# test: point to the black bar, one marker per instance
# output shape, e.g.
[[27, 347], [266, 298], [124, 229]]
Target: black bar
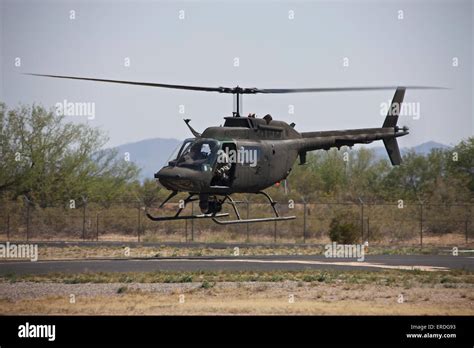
[[314, 330]]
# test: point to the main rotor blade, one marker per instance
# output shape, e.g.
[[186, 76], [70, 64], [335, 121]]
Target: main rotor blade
[[238, 90], [148, 84], [336, 89]]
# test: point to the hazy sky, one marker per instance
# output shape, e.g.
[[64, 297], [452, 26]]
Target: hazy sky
[[274, 51]]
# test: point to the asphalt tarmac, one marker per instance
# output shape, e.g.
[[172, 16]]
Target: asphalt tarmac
[[241, 263]]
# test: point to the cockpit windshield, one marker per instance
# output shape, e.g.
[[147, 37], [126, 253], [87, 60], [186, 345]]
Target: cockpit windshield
[[178, 150], [198, 154]]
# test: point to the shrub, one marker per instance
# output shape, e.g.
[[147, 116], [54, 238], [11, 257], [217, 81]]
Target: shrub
[[442, 226], [122, 290], [207, 285], [343, 229]]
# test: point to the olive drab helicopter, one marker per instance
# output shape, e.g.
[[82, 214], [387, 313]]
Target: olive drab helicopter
[[249, 154]]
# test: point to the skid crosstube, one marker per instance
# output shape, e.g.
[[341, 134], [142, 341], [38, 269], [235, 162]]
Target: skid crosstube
[[239, 220]]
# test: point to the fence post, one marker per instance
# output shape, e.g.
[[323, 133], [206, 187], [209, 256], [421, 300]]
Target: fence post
[[97, 227], [27, 219], [248, 227], [84, 221], [8, 227], [421, 225], [192, 222], [368, 229], [468, 219], [186, 230], [467, 231], [362, 221], [304, 222], [275, 232], [138, 221]]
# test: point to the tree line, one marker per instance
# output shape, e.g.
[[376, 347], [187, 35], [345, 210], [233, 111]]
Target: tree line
[[442, 176], [45, 159]]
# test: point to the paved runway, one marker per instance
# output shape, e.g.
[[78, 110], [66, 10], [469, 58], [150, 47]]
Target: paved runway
[[241, 263]]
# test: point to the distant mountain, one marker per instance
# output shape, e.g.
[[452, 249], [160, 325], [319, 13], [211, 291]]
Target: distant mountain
[[150, 154], [422, 149], [425, 148]]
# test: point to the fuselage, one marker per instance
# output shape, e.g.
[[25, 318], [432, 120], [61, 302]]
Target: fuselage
[[248, 155], [259, 154]]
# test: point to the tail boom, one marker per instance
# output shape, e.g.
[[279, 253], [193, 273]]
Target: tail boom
[[387, 133]]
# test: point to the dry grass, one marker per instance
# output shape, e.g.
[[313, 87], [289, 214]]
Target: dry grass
[[81, 252], [283, 236], [389, 278], [322, 292], [107, 251], [259, 299]]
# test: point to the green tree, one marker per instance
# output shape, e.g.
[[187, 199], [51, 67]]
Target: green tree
[[47, 159], [409, 180], [460, 162], [148, 192]]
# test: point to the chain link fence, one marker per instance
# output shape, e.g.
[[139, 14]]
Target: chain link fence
[[379, 223]]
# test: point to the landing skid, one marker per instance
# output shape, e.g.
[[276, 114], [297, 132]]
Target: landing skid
[[239, 220], [185, 217], [215, 216], [177, 216], [245, 221]]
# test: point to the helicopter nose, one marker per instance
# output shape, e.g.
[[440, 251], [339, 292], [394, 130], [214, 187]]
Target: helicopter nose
[[168, 173], [177, 179]]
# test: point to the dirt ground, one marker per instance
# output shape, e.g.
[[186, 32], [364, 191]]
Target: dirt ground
[[388, 292], [246, 298]]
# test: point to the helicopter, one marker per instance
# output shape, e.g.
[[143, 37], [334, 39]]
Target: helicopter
[[250, 154]]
